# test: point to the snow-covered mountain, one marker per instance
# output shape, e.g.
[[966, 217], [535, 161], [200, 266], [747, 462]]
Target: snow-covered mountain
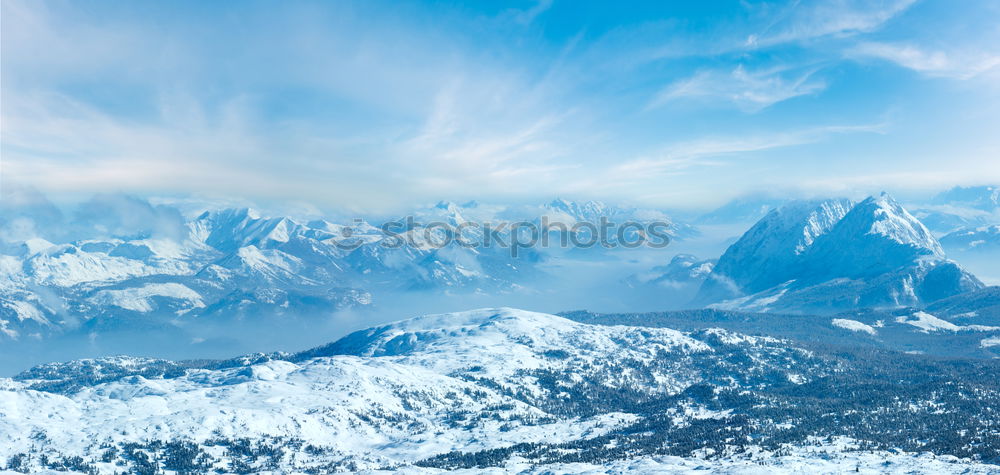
[[227, 259], [230, 264], [829, 256], [118, 262], [501, 388], [770, 251]]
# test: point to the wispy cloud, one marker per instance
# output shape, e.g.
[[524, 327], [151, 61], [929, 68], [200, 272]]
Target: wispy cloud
[[528, 15], [711, 151], [356, 103], [749, 91], [490, 131], [422, 114], [800, 21], [953, 64]]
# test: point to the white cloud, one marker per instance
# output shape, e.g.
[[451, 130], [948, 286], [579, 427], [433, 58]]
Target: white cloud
[[435, 118], [956, 65], [489, 133], [708, 152], [802, 21], [749, 91], [526, 16]]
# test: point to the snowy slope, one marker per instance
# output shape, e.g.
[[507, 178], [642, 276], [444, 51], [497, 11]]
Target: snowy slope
[[570, 212], [395, 407], [954, 329], [491, 383]]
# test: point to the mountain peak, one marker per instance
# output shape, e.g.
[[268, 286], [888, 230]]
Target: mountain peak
[[768, 253], [884, 216]]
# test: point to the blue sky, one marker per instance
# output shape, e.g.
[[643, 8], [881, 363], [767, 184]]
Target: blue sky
[[376, 105]]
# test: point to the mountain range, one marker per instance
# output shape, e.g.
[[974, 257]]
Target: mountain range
[[142, 266], [118, 262], [831, 336]]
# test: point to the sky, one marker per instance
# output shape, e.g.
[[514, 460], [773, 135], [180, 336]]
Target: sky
[[377, 105]]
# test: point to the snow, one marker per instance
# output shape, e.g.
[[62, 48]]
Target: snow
[[895, 223], [139, 299], [928, 323], [853, 325], [36, 245], [266, 260], [504, 340], [764, 255], [820, 460], [390, 395], [274, 398], [406, 370], [68, 266], [990, 342], [26, 311], [9, 265], [984, 238]]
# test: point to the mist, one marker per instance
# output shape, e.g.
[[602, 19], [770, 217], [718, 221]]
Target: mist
[[116, 274]]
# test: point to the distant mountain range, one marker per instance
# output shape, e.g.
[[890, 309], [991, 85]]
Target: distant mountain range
[[120, 262]]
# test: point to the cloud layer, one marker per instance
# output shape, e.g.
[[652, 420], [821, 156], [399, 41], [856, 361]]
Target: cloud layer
[[372, 106]]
